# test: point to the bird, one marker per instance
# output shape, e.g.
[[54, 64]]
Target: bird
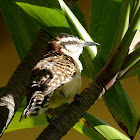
[[56, 77]]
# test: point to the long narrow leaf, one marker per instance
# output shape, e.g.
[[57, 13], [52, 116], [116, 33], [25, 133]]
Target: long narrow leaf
[[132, 59], [122, 23], [86, 129], [27, 123], [107, 131], [71, 20], [50, 18], [77, 29], [134, 70], [22, 28], [53, 27], [104, 19], [103, 22], [136, 5], [89, 125], [92, 127], [126, 41], [123, 110], [81, 126]]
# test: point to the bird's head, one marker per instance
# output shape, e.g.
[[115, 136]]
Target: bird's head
[[70, 45]]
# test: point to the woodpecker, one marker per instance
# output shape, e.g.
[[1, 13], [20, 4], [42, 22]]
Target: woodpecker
[[57, 77]]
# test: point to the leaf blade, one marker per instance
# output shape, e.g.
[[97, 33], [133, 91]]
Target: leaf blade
[[27, 123], [89, 53], [49, 17], [23, 33], [103, 30], [103, 128], [125, 114]]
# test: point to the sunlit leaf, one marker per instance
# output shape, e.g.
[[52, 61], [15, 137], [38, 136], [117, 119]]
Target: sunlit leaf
[[26, 123], [50, 18], [103, 128], [77, 29]]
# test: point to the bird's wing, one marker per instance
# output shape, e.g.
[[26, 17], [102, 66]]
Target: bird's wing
[[48, 75], [52, 72]]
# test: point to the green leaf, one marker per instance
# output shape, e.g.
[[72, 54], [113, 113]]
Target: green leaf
[[93, 127], [82, 125], [77, 29], [130, 63], [79, 15], [132, 58], [22, 28], [89, 127], [122, 109], [27, 29], [122, 23], [136, 5], [74, 24], [49, 17], [103, 128], [41, 121], [26, 123], [126, 41], [134, 70], [103, 23], [104, 19], [86, 129]]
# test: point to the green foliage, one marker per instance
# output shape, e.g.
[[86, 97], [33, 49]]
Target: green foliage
[[22, 28], [104, 129], [103, 23], [43, 14], [122, 109], [78, 30], [27, 123], [110, 20], [106, 29]]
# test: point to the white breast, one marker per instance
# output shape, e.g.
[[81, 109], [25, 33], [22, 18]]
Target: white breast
[[68, 90], [73, 86]]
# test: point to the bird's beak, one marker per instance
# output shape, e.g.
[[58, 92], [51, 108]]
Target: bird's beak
[[86, 43]]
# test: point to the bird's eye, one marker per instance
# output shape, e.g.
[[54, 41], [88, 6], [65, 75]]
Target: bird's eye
[[74, 42]]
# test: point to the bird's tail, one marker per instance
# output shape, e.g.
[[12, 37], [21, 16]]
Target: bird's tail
[[34, 107]]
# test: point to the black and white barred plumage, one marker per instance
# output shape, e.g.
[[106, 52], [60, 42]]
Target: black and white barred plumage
[[56, 77]]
